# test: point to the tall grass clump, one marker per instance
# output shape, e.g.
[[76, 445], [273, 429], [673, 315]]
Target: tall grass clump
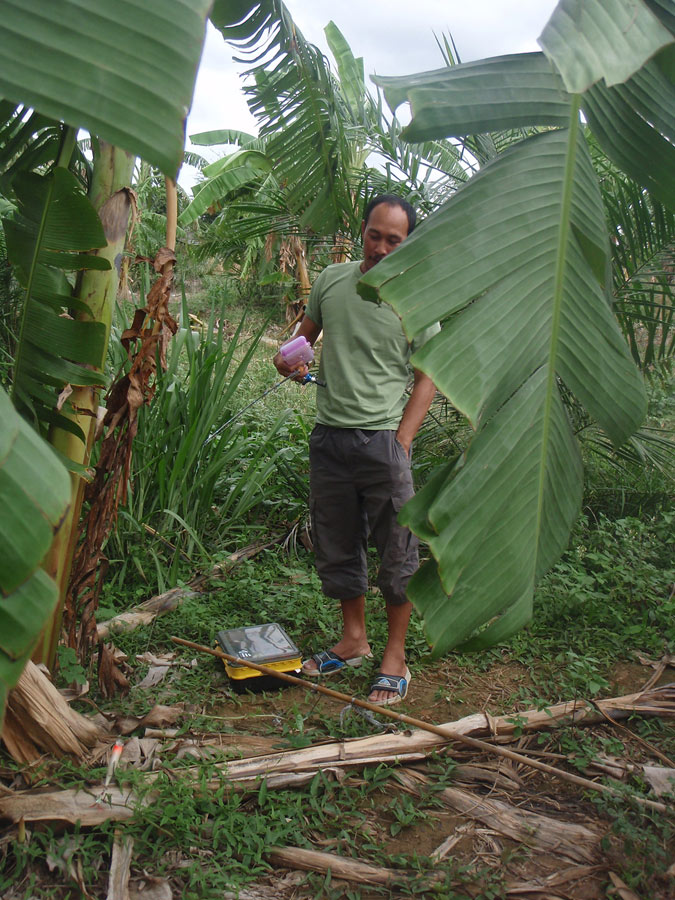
[[195, 473]]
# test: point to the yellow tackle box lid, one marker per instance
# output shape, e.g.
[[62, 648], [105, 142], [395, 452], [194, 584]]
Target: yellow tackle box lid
[[267, 645]]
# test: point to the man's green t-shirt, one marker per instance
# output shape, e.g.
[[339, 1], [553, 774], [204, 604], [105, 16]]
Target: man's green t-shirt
[[364, 355]]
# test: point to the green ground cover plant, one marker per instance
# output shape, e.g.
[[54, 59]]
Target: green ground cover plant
[[607, 600]]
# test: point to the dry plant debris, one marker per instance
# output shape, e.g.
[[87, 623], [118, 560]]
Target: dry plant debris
[[510, 813]]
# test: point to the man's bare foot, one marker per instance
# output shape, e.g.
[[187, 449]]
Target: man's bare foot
[[391, 665], [343, 648]]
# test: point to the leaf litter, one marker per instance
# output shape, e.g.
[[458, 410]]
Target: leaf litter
[[483, 826], [491, 811]]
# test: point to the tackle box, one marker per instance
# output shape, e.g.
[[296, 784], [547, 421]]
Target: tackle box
[[268, 645]]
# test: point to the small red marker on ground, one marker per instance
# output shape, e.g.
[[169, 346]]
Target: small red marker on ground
[[115, 754]]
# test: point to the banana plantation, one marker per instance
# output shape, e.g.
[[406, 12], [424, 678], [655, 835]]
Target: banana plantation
[[154, 465]]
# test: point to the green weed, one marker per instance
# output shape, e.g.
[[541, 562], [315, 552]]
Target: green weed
[[582, 746], [606, 600], [641, 842], [405, 812], [69, 669], [76, 857]]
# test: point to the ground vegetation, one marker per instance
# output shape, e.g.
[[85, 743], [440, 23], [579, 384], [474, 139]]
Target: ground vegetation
[[211, 512]]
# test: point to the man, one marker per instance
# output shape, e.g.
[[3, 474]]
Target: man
[[360, 449]]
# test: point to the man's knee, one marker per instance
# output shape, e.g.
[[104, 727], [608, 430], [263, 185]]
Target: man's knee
[[393, 586]]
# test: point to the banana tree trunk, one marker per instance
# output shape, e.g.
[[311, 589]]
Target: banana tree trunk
[[103, 495], [114, 201], [296, 310]]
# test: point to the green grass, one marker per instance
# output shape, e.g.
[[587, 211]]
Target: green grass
[[607, 600], [200, 472], [209, 840]]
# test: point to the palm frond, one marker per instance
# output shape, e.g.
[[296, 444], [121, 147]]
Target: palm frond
[[648, 448], [301, 117], [642, 240]]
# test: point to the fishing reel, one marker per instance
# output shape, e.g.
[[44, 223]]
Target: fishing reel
[[308, 378], [296, 353]]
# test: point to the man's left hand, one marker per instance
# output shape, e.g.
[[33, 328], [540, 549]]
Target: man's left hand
[[404, 443]]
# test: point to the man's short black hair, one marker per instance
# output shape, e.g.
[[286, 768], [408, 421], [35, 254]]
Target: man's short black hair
[[392, 200]]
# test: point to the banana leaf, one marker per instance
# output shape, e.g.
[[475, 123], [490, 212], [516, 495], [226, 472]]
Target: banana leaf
[[35, 488], [125, 74], [54, 227], [516, 265], [223, 136], [350, 71], [619, 54], [223, 177], [605, 40]]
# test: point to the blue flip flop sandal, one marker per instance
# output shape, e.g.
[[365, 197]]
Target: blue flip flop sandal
[[328, 663], [398, 685]]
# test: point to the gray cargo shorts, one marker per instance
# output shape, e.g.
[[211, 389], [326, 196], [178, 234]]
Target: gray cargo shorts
[[359, 480]]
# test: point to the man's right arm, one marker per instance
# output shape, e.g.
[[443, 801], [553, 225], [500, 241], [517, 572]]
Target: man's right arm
[[309, 330]]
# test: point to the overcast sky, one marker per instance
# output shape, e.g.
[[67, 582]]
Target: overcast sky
[[394, 37]]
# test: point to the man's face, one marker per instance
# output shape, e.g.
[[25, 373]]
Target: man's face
[[387, 227]]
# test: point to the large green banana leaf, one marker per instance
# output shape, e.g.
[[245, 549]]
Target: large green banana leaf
[[54, 227], [35, 491], [619, 55], [517, 266], [605, 40], [125, 72]]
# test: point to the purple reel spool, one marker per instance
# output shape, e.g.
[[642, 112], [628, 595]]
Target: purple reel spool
[[297, 351]]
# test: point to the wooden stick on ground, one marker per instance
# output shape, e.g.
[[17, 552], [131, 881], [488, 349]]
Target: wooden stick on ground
[[340, 866], [120, 867], [426, 726]]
